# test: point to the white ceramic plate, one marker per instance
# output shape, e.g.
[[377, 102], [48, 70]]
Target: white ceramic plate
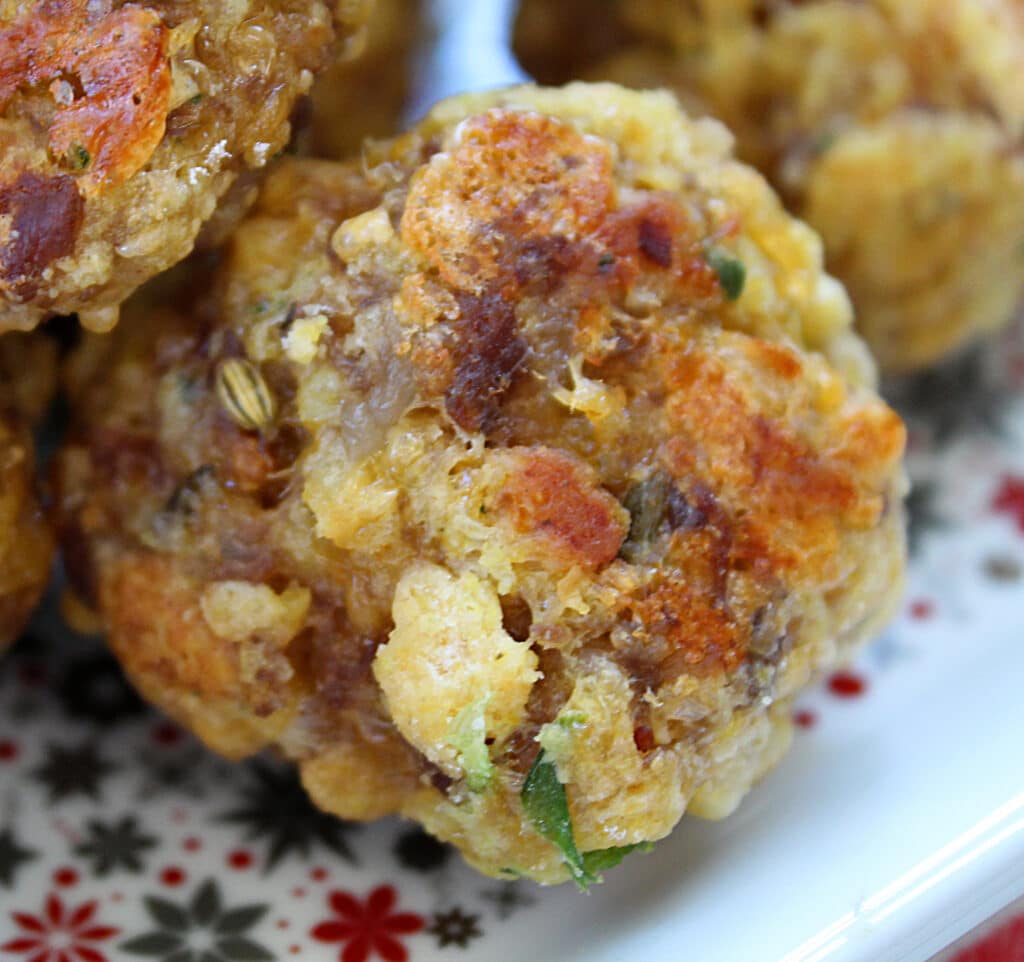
[[895, 824]]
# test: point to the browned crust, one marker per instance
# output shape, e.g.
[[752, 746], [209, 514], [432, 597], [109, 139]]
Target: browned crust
[[549, 496], [116, 79]]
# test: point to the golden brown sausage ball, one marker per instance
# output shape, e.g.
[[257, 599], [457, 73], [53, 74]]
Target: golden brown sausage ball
[[892, 126], [123, 124], [27, 384], [517, 473]]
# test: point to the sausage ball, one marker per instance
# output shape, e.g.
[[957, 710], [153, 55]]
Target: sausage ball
[[27, 384], [512, 478], [123, 124], [892, 126]]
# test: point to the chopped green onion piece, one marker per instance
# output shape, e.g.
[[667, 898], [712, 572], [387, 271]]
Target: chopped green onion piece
[[468, 736], [732, 274], [547, 808], [571, 719]]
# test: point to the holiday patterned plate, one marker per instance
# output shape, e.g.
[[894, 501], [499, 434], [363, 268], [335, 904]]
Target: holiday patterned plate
[[895, 824]]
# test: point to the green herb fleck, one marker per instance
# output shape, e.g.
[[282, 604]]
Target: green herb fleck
[[732, 274], [78, 157], [605, 858], [823, 142], [197, 99], [189, 388], [646, 504], [547, 808], [605, 261]]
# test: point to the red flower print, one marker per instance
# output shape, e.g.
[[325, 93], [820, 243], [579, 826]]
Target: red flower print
[[368, 927], [60, 934], [1005, 944], [1009, 499]]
